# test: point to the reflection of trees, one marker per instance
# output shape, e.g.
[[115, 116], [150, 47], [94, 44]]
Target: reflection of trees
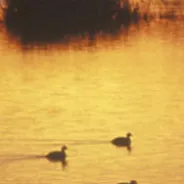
[[162, 6], [3, 4]]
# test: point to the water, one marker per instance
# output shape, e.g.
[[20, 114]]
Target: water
[[85, 91]]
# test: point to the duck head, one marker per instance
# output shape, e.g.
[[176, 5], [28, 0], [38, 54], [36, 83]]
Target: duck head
[[63, 148], [128, 134]]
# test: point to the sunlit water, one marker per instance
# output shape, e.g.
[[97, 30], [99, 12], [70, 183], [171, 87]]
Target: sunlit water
[[87, 91]]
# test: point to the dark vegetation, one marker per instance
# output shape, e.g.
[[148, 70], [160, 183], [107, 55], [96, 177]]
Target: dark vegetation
[[48, 20], [66, 12]]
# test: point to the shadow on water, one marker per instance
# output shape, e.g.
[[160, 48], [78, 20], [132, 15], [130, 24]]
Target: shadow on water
[[94, 142], [45, 22], [54, 156], [41, 22], [29, 35], [70, 142], [18, 158], [63, 161]]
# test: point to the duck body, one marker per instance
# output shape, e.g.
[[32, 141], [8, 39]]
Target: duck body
[[57, 155], [122, 141]]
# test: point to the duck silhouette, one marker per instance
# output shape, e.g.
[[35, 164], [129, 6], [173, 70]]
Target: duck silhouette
[[131, 182], [57, 155], [123, 141]]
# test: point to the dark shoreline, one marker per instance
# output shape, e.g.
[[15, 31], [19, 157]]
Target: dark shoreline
[[53, 21]]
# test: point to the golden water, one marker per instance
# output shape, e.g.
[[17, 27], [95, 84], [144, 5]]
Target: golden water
[[86, 92]]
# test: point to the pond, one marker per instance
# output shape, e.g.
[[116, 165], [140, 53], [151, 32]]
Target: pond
[[85, 90]]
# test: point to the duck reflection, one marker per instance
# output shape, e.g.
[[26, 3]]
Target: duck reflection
[[27, 34], [123, 141]]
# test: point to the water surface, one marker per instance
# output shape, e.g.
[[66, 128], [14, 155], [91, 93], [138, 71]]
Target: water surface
[[85, 91]]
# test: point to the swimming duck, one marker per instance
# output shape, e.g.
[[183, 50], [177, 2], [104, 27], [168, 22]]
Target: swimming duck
[[57, 155], [131, 182], [122, 141]]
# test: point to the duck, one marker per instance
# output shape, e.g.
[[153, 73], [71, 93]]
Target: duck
[[57, 155], [122, 141], [131, 182]]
